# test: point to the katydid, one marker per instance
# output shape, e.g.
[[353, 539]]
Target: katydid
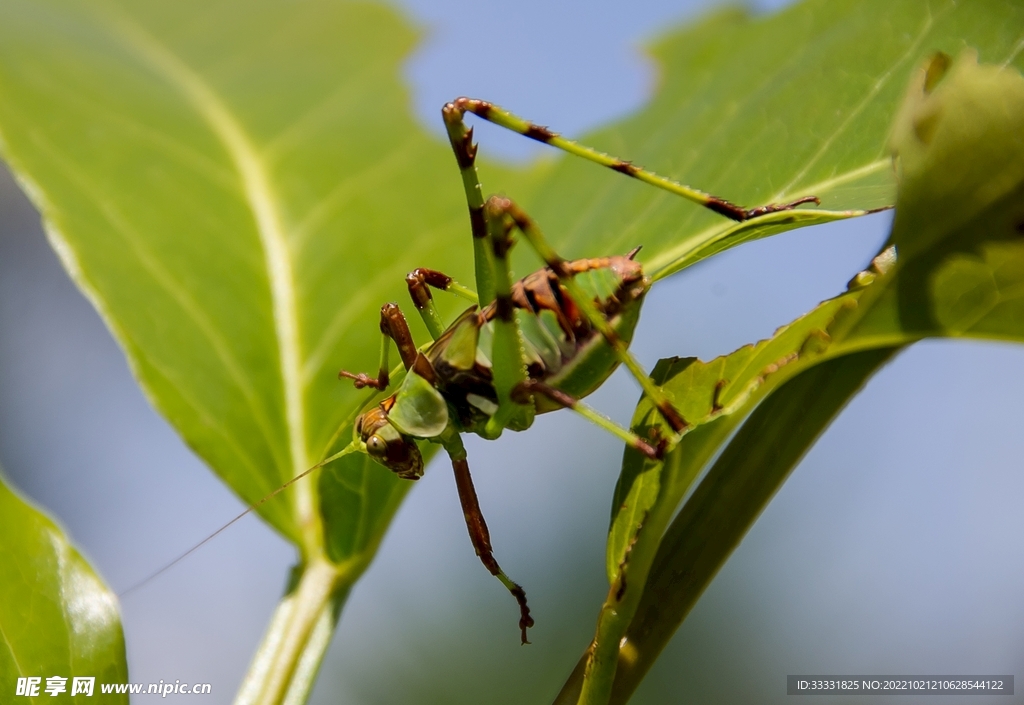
[[522, 348], [539, 344]]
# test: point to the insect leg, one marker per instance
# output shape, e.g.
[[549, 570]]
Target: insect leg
[[531, 386], [498, 116], [507, 363], [558, 265], [419, 282], [393, 327], [478, 533], [461, 138]]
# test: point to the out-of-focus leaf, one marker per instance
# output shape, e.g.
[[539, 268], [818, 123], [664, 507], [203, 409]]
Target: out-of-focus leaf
[[960, 149], [57, 618], [959, 229]]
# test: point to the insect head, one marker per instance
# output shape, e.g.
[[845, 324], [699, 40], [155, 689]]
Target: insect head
[[387, 445]]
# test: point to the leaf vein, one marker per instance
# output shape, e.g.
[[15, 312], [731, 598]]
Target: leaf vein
[[260, 198], [875, 89]]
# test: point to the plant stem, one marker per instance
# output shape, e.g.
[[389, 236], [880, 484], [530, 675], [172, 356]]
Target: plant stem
[[285, 666], [621, 604]]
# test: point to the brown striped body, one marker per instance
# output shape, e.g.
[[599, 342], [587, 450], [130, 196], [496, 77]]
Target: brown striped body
[[563, 351]]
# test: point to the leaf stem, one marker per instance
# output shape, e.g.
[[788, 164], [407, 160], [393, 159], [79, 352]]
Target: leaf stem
[[621, 604], [285, 666]]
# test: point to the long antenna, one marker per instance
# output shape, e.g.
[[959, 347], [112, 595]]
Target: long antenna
[[350, 448]]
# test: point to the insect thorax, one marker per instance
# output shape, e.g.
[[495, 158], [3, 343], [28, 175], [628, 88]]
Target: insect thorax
[[560, 346]]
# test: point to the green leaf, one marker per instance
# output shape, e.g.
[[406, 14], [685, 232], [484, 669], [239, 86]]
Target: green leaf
[[351, 484], [239, 176], [222, 181], [57, 618], [726, 503], [764, 109], [239, 186], [715, 397]]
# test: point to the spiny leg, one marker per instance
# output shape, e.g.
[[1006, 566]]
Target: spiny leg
[[461, 138], [507, 364], [503, 118], [532, 386], [559, 266], [478, 533], [393, 327], [419, 282]]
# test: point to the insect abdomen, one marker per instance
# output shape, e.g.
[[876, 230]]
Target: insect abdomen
[[593, 362], [560, 346]]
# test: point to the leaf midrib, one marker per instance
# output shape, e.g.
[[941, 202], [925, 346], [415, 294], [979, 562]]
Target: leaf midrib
[[260, 199]]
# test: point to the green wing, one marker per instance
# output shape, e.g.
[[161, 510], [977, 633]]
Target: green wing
[[419, 408]]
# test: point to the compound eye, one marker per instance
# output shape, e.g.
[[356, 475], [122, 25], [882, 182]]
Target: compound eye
[[376, 446]]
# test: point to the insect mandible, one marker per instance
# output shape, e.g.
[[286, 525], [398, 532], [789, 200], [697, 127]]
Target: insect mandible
[[522, 348]]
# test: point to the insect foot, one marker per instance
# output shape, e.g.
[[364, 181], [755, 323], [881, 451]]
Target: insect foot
[[362, 380], [465, 152], [478, 533], [779, 207]]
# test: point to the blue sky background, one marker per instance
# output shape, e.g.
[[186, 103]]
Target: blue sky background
[[894, 547]]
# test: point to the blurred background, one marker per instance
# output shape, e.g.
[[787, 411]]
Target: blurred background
[[893, 549]]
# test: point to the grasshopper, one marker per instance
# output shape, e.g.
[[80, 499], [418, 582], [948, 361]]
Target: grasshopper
[[522, 348]]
